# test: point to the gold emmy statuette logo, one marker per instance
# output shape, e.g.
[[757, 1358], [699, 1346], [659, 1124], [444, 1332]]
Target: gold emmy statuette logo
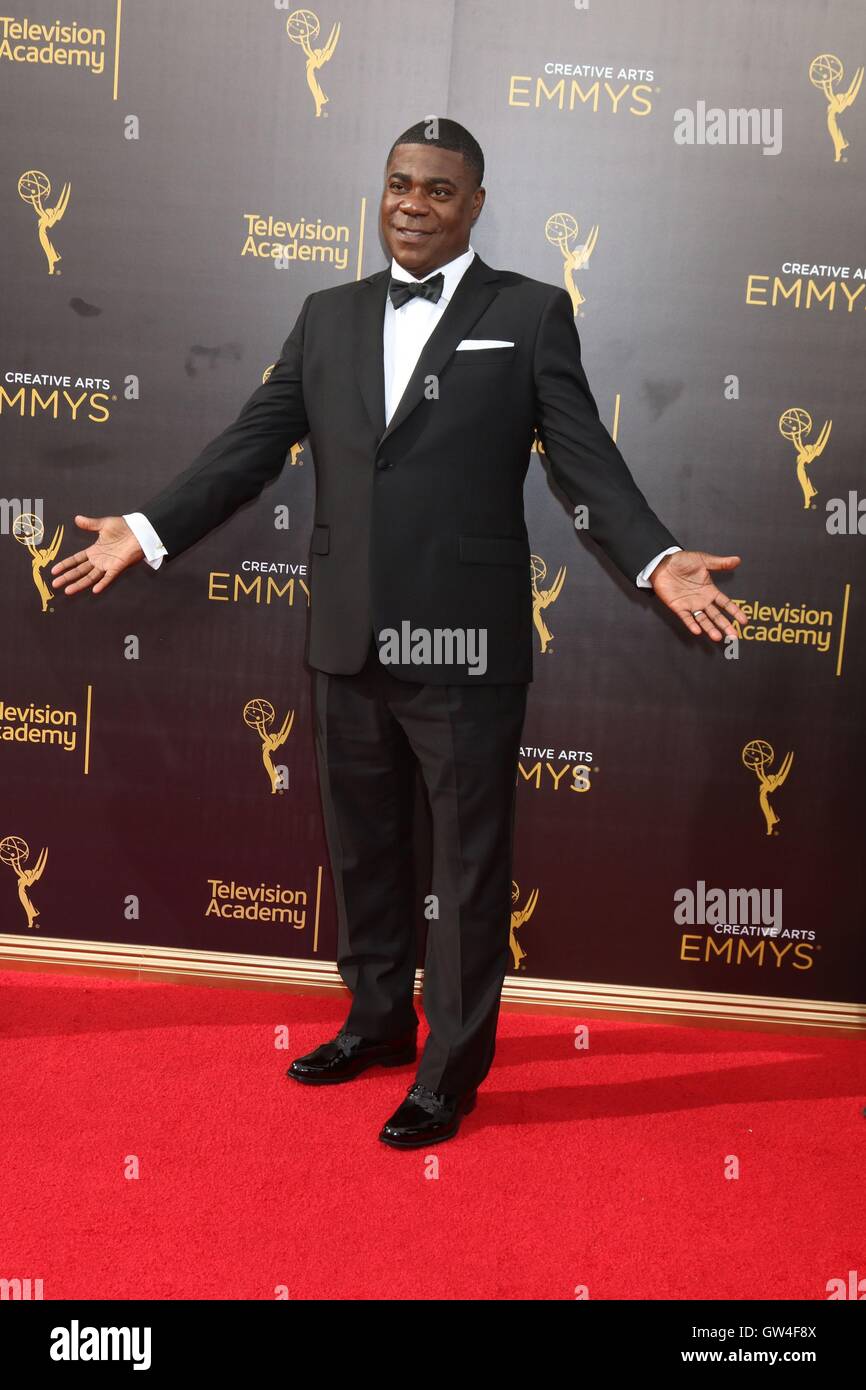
[[793, 424], [543, 598], [758, 756], [15, 852], [302, 26], [824, 71], [28, 530], [260, 715], [34, 187], [561, 229], [518, 917]]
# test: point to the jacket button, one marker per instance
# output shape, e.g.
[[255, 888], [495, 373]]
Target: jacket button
[[383, 464]]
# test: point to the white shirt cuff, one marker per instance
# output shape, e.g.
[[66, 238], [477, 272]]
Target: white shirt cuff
[[153, 548], [644, 576]]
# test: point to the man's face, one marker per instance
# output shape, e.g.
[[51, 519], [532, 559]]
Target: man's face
[[429, 204]]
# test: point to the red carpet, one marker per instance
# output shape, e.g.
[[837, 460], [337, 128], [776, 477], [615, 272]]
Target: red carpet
[[602, 1168]]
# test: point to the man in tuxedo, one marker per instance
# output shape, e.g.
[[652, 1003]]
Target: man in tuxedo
[[421, 388]]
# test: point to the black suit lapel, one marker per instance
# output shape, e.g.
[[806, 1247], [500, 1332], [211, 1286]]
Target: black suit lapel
[[477, 288], [367, 345]]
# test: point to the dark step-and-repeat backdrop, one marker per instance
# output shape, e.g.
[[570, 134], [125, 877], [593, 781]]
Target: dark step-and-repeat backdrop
[[175, 177]]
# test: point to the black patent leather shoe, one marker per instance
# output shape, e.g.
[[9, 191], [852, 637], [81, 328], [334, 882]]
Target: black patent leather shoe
[[426, 1117], [347, 1055]]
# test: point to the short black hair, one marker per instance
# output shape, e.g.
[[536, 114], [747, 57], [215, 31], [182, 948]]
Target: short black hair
[[448, 135]]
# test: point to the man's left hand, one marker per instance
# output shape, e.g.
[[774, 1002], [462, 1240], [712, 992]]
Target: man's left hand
[[683, 582]]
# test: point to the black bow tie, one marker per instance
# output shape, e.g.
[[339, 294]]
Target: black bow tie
[[401, 291]]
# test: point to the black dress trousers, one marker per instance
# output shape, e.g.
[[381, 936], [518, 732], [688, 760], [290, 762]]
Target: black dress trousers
[[372, 730]]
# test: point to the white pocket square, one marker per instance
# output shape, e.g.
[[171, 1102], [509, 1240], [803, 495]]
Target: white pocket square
[[482, 343]]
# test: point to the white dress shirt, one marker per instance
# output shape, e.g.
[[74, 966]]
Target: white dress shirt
[[404, 333]]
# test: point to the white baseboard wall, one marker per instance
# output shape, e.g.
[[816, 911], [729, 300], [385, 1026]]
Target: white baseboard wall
[[520, 992]]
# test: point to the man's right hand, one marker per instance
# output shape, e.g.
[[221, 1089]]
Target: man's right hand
[[94, 568]]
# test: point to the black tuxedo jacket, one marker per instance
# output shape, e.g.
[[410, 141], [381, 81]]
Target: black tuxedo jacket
[[422, 522]]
